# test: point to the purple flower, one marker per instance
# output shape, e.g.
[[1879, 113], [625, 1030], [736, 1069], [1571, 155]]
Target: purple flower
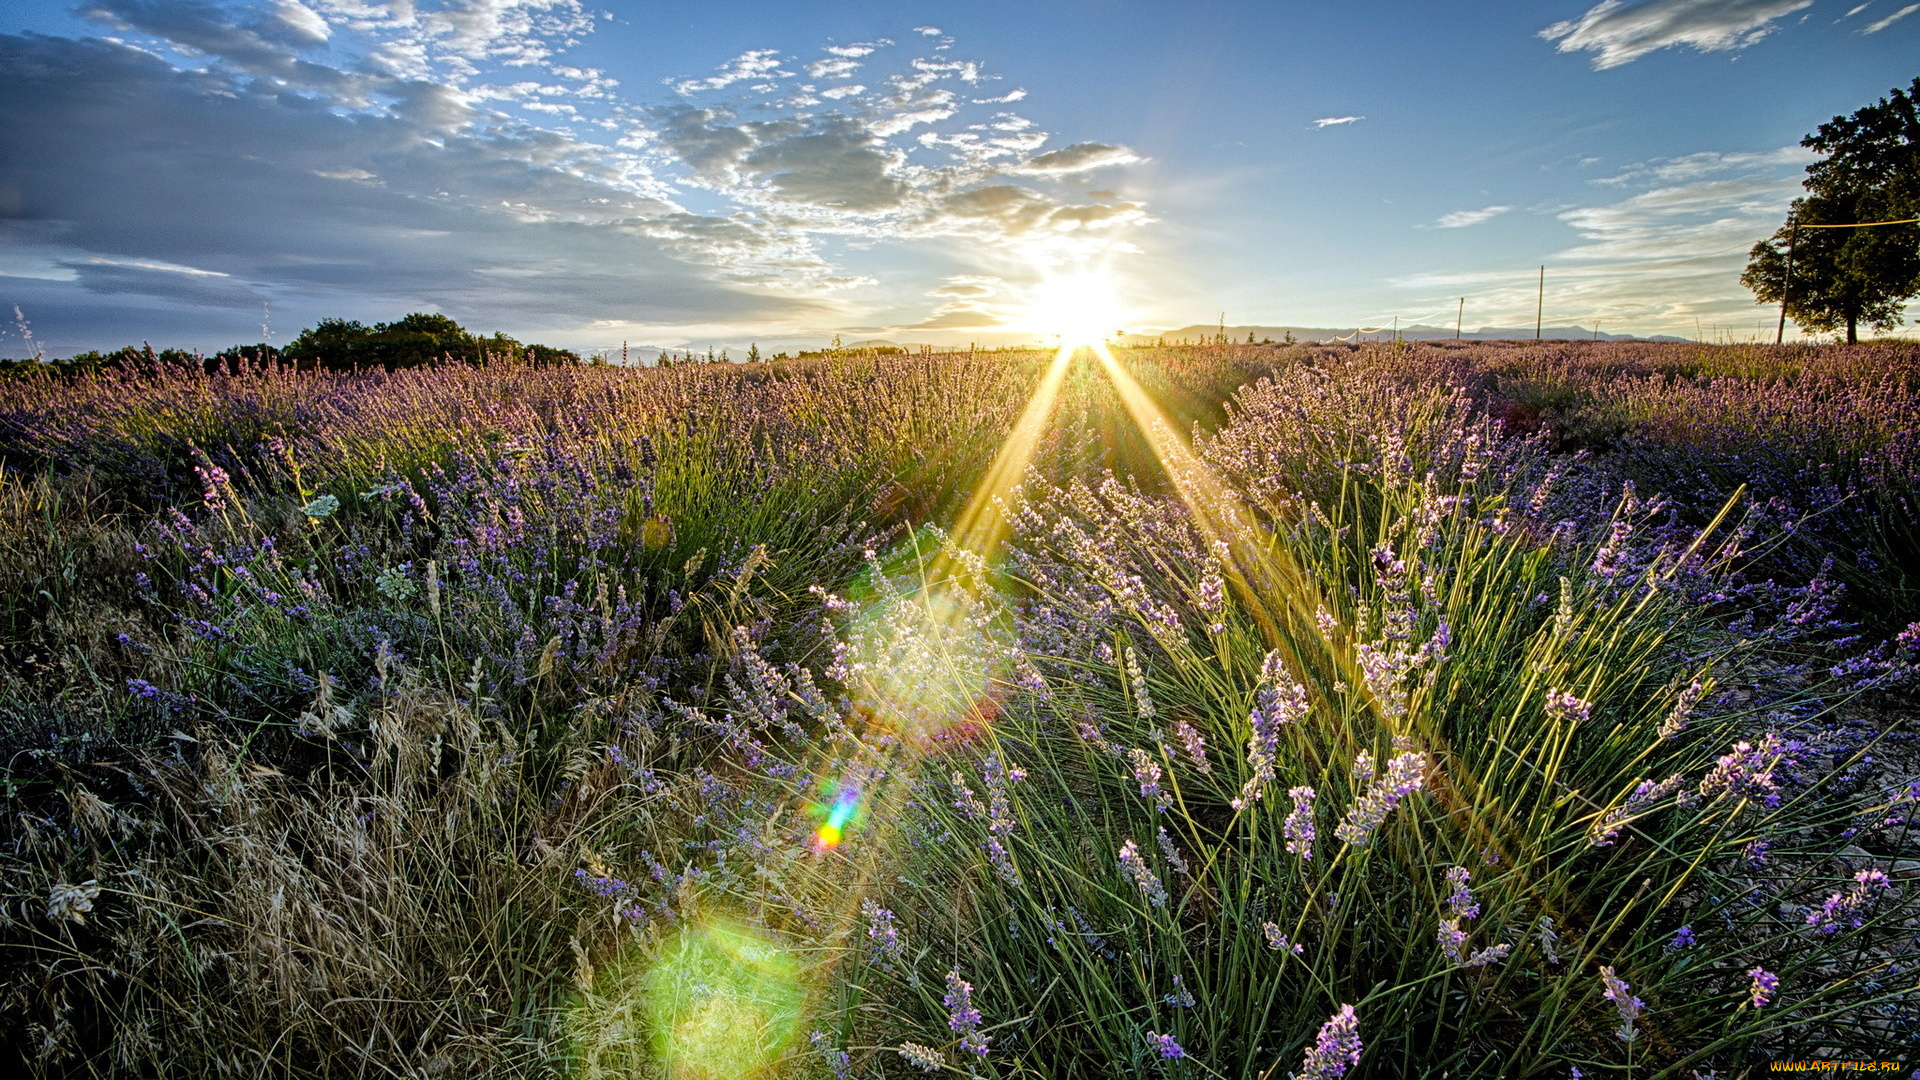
[[1274, 707], [1549, 939], [1683, 706], [1462, 902], [1624, 1003], [1146, 772], [887, 946], [1194, 743], [1142, 875], [1278, 942], [1563, 707], [1848, 909], [961, 1015], [1298, 828], [1335, 1050], [1646, 793], [1748, 770], [602, 886], [1405, 775], [1765, 983], [1182, 999], [1142, 700], [1682, 939], [1171, 852], [1167, 1047], [1453, 940]]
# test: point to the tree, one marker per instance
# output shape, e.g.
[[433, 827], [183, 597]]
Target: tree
[[1829, 277], [410, 341]]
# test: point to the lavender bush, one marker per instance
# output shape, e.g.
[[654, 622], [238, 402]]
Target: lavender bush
[[600, 722]]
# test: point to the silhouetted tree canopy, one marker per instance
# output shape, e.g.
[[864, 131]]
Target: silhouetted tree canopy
[[330, 344], [1870, 172], [416, 339]]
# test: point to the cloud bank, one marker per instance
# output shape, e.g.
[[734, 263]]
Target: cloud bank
[[197, 161]]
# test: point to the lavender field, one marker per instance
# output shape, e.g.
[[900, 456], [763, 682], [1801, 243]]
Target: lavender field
[[1235, 711]]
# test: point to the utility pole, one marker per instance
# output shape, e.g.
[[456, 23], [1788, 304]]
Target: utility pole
[[1540, 303], [1793, 233], [1457, 316]]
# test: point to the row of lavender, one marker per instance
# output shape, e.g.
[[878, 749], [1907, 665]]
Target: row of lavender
[[501, 702]]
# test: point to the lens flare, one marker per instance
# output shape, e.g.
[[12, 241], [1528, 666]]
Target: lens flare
[[722, 1003], [842, 814], [927, 643]]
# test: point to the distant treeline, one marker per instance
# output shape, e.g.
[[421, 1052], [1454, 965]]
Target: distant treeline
[[331, 345]]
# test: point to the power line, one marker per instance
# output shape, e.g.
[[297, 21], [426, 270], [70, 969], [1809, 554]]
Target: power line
[[1786, 283], [1864, 224]]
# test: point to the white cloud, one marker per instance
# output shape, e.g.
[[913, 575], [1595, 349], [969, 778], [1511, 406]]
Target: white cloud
[[1708, 163], [1619, 34], [1331, 121], [752, 64], [832, 69], [303, 21], [157, 267], [1855, 10], [929, 31], [1080, 157], [1882, 24], [1460, 219]]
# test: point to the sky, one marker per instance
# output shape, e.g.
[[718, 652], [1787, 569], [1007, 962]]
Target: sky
[[199, 174]]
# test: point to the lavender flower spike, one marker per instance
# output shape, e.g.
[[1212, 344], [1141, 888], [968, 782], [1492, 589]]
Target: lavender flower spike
[[1624, 1003], [1765, 983], [1462, 902], [1273, 708], [962, 1017], [1565, 707], [1142, 875], [1848, 909], [1167, 1047], [1298, 828], [924, 1058], [1335, 1050], [1405, 775]]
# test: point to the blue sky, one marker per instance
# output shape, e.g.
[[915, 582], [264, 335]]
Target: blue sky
[[694, 174]]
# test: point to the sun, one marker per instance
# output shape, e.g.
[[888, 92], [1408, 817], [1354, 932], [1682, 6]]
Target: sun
[[1080, 307]]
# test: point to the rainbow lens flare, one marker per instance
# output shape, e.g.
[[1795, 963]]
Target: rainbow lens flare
[[842, 814]]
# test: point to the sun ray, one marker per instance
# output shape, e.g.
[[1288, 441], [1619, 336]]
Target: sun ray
[[982, 525]]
